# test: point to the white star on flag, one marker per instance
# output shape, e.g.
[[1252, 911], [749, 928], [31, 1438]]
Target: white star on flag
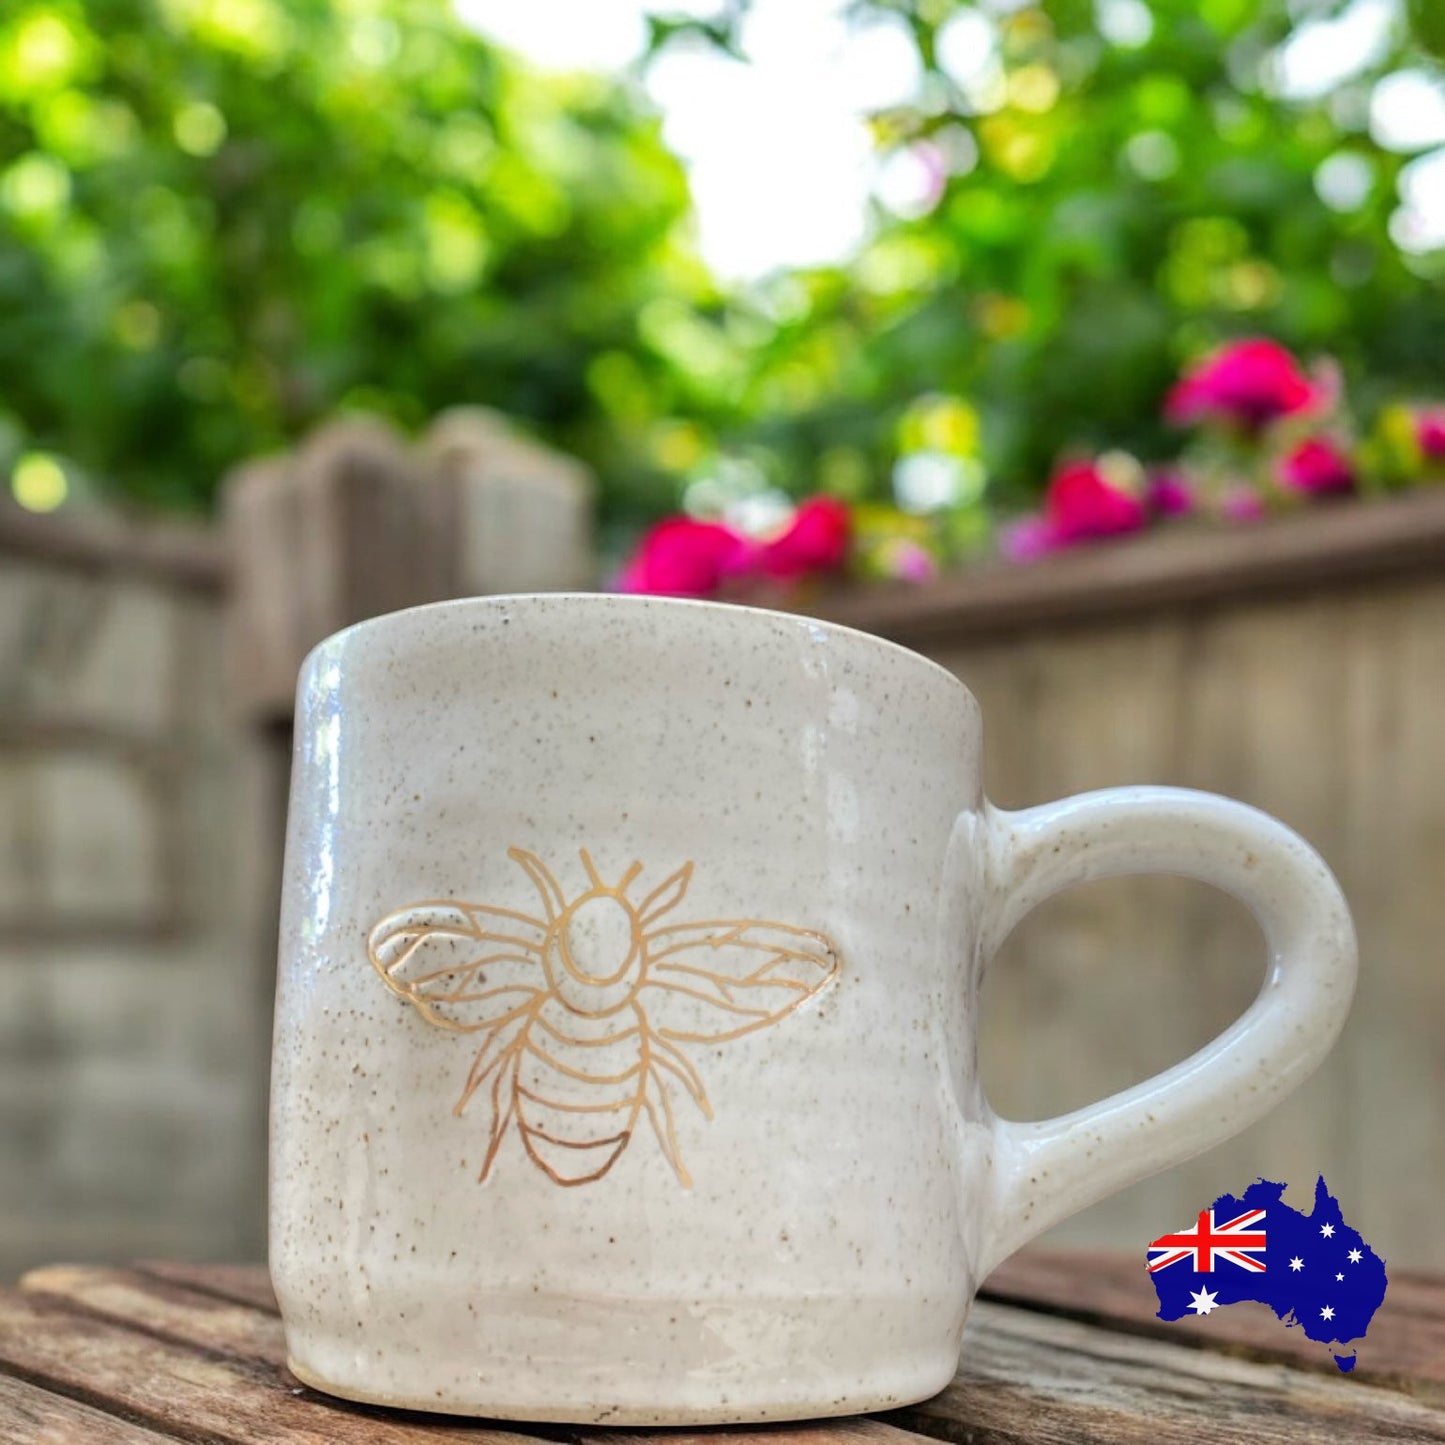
[[1339, 1276], [1202, 1301], [1328, 1313], [1354, 1256], [1328, 1230], [1296, 1263]]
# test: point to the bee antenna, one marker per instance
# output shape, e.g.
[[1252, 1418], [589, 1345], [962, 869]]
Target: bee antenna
[[591, 868]]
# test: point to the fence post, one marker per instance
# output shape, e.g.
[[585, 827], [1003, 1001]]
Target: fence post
[[520, 514], [357, 523]]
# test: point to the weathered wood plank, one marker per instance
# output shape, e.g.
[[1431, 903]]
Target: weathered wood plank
[[161, 1307], [188, 555], [265, 628], [159, 1352], [1392, 865], [853, 1430], [338, 533], [367, 544], [195, 1394], [30, 1415], [1172, 569], [1405, 1347], [164, 1317], [1026, 1374], [1033, 1377], [247, 1284], [516, 516]]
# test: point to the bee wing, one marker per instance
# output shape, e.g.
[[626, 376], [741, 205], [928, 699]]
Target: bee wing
[[663, 1121], [462, 966], [718, 980], [498, 1053], [504, 1096]]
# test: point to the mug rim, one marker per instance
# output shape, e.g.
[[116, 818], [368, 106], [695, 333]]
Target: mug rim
[[646, 601]]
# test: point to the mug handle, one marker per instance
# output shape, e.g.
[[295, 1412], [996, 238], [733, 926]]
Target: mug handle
[[1048, 1170]]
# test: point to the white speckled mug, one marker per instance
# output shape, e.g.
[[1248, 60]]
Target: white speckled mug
[[625, 1064]]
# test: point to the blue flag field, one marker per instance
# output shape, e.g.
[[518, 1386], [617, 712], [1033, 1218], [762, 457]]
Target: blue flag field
[[1312, 1270]]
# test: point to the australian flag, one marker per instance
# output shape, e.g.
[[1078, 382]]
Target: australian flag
[[1312, 1270]]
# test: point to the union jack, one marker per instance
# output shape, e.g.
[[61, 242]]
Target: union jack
[[1233, 1241]]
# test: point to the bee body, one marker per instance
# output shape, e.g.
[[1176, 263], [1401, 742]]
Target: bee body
[[586, 1012], [580, 1087]]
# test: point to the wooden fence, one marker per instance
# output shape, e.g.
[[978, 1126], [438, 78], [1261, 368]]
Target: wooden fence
[[1299, 665], [136, 821]]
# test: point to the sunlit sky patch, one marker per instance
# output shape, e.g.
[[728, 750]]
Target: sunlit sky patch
[[780, 158]]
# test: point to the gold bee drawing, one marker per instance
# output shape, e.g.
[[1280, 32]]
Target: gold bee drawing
[[583, 1011]]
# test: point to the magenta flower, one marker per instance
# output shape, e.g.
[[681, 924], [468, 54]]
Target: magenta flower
[[909, 561], [816, 540], [1081, 503], [1241, 504], [1170, 495], [1250, 383], [683, 557], [1028, 539], [1317, 468], [1430, 433]]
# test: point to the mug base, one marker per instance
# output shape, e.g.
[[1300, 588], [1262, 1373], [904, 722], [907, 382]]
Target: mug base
[[889, 1390]]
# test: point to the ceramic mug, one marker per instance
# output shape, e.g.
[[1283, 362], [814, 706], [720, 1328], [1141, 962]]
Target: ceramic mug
[[625, 1056]]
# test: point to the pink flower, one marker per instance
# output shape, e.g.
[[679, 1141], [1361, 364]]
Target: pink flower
[[1028, 539], [816, 540], [1170, 495], [1317, 467], [909, 561], [1081, 502], [1250, 383], [682, 557], [1241, 504], [1430, 433]]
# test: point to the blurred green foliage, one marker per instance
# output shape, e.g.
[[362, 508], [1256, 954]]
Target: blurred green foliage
[[1104, 212], [222, 219]]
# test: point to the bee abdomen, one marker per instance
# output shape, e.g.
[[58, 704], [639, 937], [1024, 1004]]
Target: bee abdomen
[[578, 1098]]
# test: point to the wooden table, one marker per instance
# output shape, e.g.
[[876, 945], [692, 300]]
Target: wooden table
[[1062, 1347]]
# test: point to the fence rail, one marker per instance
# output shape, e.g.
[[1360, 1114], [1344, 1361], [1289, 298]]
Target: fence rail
[[190, 556], [1179, 567]]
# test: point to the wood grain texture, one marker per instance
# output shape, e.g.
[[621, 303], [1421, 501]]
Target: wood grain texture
[[195, 1352], [30, 1415], [161, 1308], [93, 1332], [266, 628], [1033, 1377], [99, 543], [335, 534], [247, 1284], [189, 1392], [1405, 1348], [518, 515]]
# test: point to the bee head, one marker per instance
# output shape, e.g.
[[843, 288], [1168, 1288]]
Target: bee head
[[595, 952]]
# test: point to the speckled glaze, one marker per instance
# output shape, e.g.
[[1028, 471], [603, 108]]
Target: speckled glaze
[[819, 1251]]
